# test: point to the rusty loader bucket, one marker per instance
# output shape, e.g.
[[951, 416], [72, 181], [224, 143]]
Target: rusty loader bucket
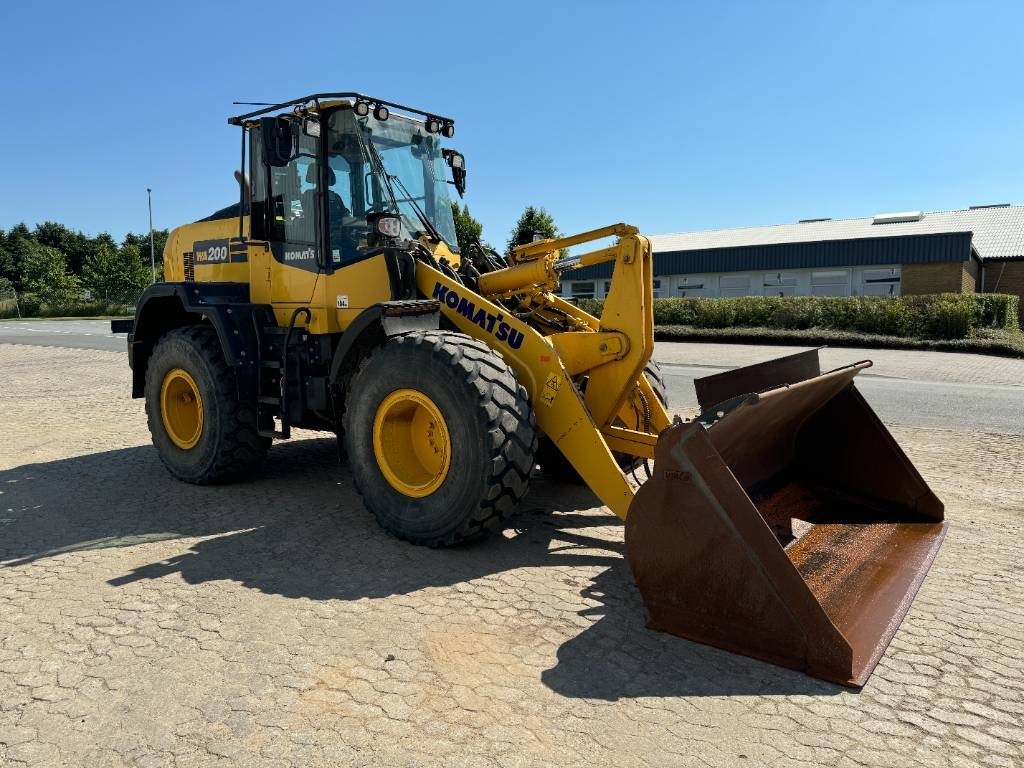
[[785, 524]]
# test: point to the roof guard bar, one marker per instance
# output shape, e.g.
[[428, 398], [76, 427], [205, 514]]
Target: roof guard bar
[[316, 97]]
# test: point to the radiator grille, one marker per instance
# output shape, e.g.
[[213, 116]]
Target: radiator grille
[[190, 266]]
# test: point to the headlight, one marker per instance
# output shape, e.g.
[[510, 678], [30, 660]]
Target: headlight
[[390, 226], [385, 225]]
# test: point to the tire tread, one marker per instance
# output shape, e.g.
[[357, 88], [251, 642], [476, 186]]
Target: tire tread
[[242, 448], [510, 429]]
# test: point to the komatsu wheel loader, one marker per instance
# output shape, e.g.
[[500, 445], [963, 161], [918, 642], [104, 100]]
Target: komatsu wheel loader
[[783, 522]]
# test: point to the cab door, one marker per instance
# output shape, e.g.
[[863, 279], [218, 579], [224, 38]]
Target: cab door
[[288, 199]]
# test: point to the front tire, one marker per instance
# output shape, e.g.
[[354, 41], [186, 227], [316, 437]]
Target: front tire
[[201, 431], [440, 437]]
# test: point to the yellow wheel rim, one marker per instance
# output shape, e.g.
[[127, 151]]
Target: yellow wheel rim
[[411, 443], [181, 408]]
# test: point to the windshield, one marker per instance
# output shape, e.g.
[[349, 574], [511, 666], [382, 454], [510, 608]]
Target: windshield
[[414, 180]]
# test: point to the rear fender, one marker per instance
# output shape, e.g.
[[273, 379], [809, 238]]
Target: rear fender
[[223, 306]]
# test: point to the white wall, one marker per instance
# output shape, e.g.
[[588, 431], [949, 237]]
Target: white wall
[[841, 281]]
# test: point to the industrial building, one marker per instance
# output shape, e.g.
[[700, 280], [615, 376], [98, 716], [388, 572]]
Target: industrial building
[[980, 248]]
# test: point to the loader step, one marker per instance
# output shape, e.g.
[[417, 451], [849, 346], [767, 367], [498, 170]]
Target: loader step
[[277, 434]]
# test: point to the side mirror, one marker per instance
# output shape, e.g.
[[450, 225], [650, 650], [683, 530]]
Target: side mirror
[[277, 141], [457, 162]]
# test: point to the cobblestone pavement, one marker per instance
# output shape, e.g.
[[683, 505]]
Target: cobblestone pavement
[[144, 622]]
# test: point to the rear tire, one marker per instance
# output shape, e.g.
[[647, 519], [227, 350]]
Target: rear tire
[[222, 442], [488, 426]]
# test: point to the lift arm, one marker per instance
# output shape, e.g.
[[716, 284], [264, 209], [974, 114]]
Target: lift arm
[[612, 351]]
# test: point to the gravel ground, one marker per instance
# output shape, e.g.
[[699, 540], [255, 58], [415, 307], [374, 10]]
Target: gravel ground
[[148, 623]]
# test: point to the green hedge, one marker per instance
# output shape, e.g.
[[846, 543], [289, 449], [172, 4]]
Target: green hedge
[[32, 306], [939, 316], [991, 342]]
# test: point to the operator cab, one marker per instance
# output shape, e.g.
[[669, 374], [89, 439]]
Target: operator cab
[[334, 180]]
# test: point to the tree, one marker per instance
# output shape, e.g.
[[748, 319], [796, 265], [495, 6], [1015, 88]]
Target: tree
[[142, 240], [467, 229], [113, 271], [74, 245], [115, 274], [533, 222], [19, 230], [12, 254], [8, 299], [46, 274], [160, 242], [53, 235], [8, 268]]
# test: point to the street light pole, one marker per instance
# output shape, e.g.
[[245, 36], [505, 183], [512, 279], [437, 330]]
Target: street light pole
[[152, 250]]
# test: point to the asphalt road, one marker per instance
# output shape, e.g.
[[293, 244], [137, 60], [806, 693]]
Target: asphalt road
[[916, 402], [907, 402], [78, 334]]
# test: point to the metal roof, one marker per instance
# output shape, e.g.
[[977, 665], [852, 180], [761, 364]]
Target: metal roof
[[908, 249], [998, 231], [911, 237]]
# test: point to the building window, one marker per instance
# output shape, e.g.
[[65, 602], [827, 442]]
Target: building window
[[734, 285], [881, 282], [834, 283], [780, 284], [583, 290], [607, 287], [690, 286]]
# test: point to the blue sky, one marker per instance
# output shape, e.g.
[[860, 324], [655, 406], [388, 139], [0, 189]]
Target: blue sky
[[672, 116]]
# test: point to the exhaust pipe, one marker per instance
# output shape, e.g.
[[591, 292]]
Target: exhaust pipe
[[784, 523]]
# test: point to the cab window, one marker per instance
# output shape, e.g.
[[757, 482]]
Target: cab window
[[290, 211]]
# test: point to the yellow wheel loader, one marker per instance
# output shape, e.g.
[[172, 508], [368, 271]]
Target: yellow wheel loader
[[783, 522]]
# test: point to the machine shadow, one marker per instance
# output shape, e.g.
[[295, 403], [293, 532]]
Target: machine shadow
[[617, 657], [298, 529]]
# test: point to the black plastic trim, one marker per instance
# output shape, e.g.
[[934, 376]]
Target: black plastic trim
[[383, 320], [225, 306]]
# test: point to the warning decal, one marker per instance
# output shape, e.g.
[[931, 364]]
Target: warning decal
[[547, 395]]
